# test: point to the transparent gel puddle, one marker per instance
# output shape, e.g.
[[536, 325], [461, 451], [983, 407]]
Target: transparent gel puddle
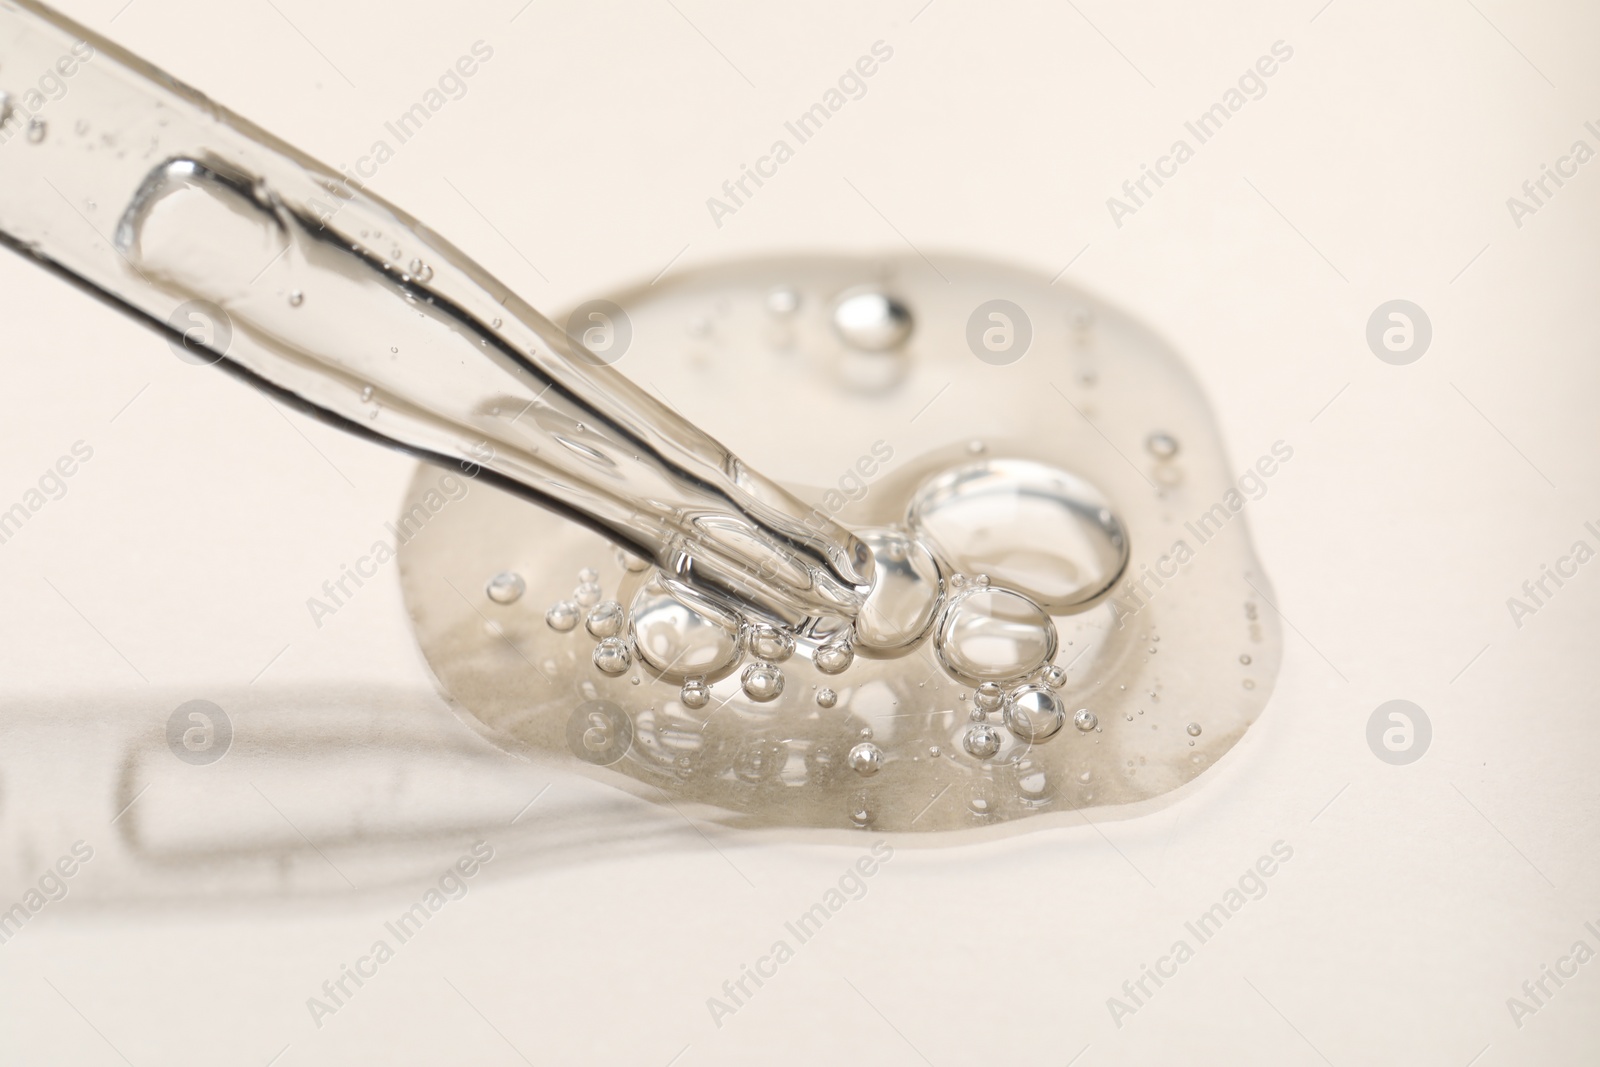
[[989, 676], [995, 499]]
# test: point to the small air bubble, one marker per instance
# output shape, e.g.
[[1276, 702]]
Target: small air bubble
[[506, 587], [1161, 445]]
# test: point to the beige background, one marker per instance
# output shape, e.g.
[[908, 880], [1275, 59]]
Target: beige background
[[1376, 167]]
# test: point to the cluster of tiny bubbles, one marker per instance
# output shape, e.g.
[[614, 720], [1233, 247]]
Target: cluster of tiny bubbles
[[761, 682], [1034, 713], [982, 741], [366, 394], [771, 644], [421, 271], [1055, 676], [826, 698], [1085, 720], [563, 616], [1161, 445], [611, 655], [695, 694], [506, 587], [866, 759], [834, 657], [605, 619]]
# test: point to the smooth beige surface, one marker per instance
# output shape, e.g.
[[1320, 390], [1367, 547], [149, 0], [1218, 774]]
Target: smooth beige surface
[[1377, 166]]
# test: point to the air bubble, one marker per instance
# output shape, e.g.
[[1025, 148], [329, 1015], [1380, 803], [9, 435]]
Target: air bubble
[[871, 321], [835, 657], [694, 694], [605, 620], [1034, 714], [631, 563], [563, 617], [1085, 720], [296, 298], [611, 656], [771, 644], [506, 587], [826, 698], [866, 759], [995, 635], [1055, 676], [982, 741], [587, 594], [762, 682], [1041, 532], [989, 697], [1161, 445], [1194, 729], [679, 634], [37, 128], [860, 812]]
